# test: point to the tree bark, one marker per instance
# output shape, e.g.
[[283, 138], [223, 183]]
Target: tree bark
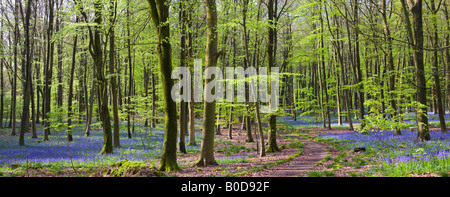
[[447, 52], [2, 90], [247, 118], [25, 120], [272, 147], [48, 72], [14, 88], [189, 48], [130, 68], [159, 11], [417, 41], [207, 146], [183, 104], [112, 54], [69, 97], [391, 70], [358, 68], [437, 83]]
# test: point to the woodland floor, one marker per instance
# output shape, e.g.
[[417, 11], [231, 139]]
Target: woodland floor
[[291, 161], [298, 166], [296, 161]]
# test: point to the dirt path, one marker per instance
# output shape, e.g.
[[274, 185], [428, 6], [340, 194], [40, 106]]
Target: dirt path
[[300, 165]]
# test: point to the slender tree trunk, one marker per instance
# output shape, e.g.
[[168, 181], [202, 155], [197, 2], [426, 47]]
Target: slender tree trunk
[[89, 115], [272, 147], [437, 82], [59, 99], [112, 54], [69, 97], [324, 79], [183, 104], [207, 146], [189, 48], [2, 90], [247, 118], [14, 88], [48, 71], [391, 70], [230, 121], [447, 53], [358, 67], [153, 99], [25, 120], [130, 77]]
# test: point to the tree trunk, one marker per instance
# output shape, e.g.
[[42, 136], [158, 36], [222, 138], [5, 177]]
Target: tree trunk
[[59, 99], [14, 88], [417, 39], [112, 54], [272, 147], [207, 146], [447, 53], [437, 83], [183, 104], [102, 82], [324, 79], [159, 11], [247, 118], [130, 78], [189, 56], [2, 90], [48, 72], [358, 68], [25, 120], [391, 70], [69, 97]]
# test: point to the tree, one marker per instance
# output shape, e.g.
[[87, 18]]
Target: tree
[[69, 97], [189, 59], [183, 104], [390, 66], [159, 11], [48, 71], [96, 51], [25, 120], [211, 56], [437, 83], [416, 41], [14, 90], [272, 147], [2, 90], [112, 54]]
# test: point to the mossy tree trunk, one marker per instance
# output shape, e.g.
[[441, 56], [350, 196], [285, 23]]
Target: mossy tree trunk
[[102, 83], [159, 11], [207, 146]]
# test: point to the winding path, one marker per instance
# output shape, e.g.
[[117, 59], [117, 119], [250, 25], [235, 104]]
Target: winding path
[[312, 153]]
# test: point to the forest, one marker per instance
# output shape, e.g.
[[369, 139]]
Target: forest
[[240, 88]]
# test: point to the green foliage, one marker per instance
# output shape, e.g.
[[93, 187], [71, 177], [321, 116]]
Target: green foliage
[[129, 168]]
